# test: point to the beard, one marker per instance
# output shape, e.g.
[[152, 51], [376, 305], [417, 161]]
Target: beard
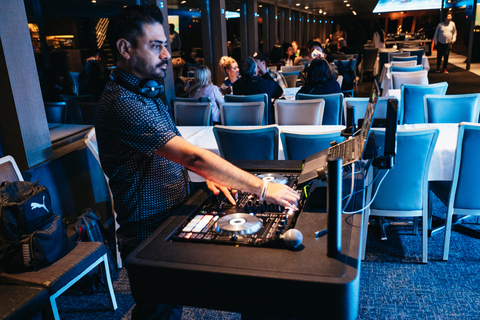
[[148, 71]]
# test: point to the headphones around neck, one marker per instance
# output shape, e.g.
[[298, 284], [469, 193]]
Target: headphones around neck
[[147, 87]]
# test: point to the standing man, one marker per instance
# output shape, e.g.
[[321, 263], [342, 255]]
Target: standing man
[[141, 150], [175, 42], [444, 38]]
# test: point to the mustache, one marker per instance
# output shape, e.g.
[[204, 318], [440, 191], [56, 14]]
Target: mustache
[[163, 63]]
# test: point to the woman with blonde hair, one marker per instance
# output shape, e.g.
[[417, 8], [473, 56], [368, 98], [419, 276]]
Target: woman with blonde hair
[[230, 67], [202, 86]]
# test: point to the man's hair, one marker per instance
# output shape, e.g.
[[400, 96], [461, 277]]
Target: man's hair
[[128, 24], [312, 44], [259, 56], [248, 67]]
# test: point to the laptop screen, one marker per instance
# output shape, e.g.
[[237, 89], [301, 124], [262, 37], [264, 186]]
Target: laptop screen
[[369, 114]]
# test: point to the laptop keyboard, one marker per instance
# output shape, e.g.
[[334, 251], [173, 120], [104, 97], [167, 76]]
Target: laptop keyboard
[[344, 150]]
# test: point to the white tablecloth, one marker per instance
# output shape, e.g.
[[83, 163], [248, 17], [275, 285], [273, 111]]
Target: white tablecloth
[[441, 167]]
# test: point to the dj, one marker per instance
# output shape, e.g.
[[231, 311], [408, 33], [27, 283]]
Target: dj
[[141, 150]]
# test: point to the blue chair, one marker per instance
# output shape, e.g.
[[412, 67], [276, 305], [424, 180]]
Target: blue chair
[[345, 67], [411, 103], [360, 105], [418, 53], [404, 191], [247, 143], [401, 78], [192, 113], [298, 146], [460, 196], [56, 112], [291, 78], [332, 114], [406, 69], [268, 115], [413, 58], [242, 113], [454, 108]]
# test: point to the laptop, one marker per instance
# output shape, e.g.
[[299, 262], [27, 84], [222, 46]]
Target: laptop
[[350, 150]]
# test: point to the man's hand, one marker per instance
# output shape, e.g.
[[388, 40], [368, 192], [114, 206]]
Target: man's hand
[[261, 67], [217, 188], [282, 195]]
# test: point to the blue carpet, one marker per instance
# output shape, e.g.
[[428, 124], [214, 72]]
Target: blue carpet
[[393, 285]]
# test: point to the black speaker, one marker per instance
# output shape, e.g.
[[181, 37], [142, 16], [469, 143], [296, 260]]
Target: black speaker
[[147, 87]]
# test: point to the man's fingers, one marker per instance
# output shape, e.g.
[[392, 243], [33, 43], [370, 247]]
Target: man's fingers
[[227, 194], [213, 187]]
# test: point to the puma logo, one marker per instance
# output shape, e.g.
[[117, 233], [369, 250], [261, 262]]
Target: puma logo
[[36, 205]]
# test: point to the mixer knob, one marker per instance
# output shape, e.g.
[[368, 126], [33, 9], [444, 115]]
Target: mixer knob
[[247, 208]]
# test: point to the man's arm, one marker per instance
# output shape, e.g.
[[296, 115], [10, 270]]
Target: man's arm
[[223, 173]]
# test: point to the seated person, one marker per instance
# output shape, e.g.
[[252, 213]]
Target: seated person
[[314, 52], [251, 83], [94, 77], [333, 53], [321, 78], [230, 67], [261, 61], [303, 57], [276, 57], [177, 65], [343, 47], [202, 86]]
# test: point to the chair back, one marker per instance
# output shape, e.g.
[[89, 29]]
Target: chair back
[[242, 113], [56, 112], [261, 97], [347, 69], [360, 107], [9, 170], [299, 112], [92, 145], [406, 69], [291, 78], [405, 186], [419, 53], [410, 63], [73, 114], [397, 54], [409, 58], [369, 59], [288, 69], [272, 68], [383, 58], [411, 103], [454, 108], [298, 146], [340, 80], [192, 113], [400, 78], [184, 99], [259, 143], [332, 114]]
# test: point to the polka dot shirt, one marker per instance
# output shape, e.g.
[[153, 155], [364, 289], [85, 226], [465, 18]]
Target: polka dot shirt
[[146, 188]]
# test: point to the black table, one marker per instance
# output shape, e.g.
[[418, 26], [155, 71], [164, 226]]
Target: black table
[[302, 283]]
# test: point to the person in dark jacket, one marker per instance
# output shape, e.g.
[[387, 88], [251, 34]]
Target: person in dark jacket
[[321, 78], [250, 83]]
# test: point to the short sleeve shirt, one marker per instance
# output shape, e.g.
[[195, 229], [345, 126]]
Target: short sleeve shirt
[[146, 188]]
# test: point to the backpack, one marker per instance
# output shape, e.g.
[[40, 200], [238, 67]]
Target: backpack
[[87, 226], [30, 234]]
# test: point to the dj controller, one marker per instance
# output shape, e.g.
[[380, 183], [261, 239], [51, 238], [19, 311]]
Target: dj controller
[[250, 222]]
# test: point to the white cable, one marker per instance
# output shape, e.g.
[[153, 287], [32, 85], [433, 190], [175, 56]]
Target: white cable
[[373, 198]]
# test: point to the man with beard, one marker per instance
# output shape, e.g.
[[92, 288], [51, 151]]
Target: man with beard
[[141, 150]]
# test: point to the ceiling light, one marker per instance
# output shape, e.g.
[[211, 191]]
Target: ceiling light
[[320, 11], [324, 13], [306, 7], [348, 4], [298, 4], [354, 13], [238, 10], [260, 6], [183, 2]]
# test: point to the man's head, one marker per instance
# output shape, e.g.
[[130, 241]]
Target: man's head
[[314, 45], [171, 27], [248, 68], [139, 41], [448, 18]]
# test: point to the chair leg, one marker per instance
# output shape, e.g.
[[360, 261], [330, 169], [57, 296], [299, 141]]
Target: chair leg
[[366, 214], [448, 231], [53, 305], [424, 238], [415, 225], [108, 279]]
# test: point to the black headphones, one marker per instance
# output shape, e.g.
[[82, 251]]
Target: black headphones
[[147, 87]]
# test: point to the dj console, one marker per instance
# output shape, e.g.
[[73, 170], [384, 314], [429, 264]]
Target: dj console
[[250, 222]]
